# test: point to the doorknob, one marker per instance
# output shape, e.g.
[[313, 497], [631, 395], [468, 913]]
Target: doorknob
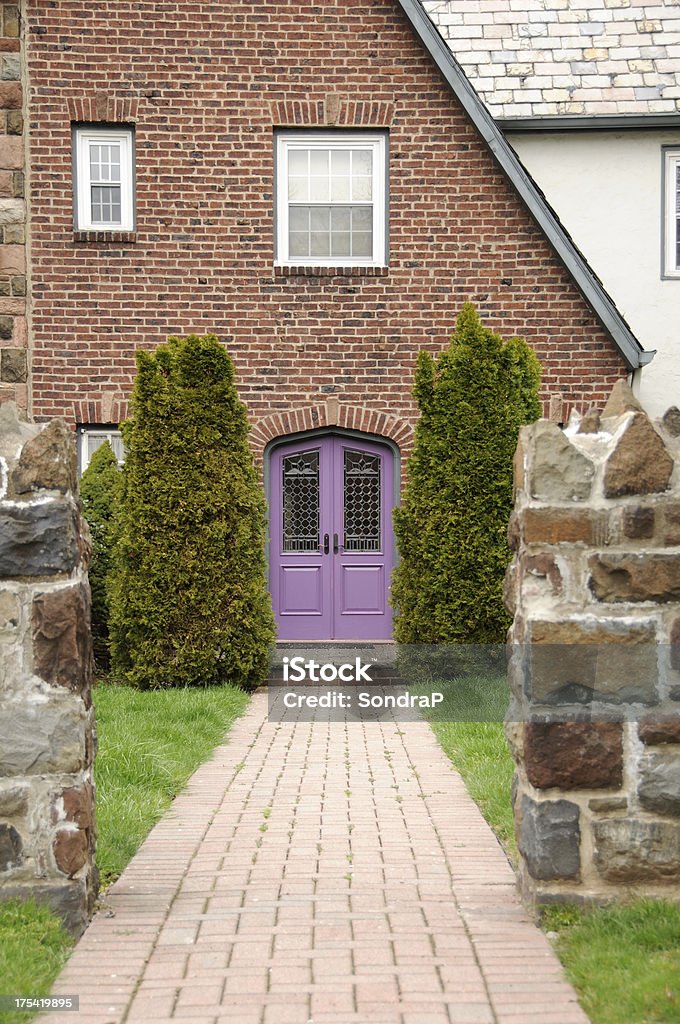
[[335, 543], [326, 544]]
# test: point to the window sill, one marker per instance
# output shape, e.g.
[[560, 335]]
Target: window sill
[[330, 271], [105, 236]]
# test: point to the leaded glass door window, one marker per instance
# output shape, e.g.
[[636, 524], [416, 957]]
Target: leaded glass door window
[[331, 544]]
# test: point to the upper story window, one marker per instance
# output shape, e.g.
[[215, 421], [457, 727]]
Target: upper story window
[[91, 438], [331, 199], [104, 177], [672, 213]]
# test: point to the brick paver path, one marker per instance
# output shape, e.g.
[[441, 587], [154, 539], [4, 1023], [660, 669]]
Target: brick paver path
[[334, 873]]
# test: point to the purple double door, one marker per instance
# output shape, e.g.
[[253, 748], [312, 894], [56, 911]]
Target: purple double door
[[331, 540]]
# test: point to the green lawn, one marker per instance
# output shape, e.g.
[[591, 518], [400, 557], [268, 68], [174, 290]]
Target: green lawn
[[479, 752], [33, 948], [150, 742], [624, 961]]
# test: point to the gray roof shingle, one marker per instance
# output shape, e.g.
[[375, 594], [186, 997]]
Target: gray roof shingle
[[550, 58]]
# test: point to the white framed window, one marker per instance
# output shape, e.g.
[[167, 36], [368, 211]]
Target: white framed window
[[331, 199], [671, 179], [91, 438], [104, 179]]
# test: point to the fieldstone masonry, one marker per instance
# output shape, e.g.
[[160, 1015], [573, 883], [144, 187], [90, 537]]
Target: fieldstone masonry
[[594, 588], [47, 731], [14, 362]]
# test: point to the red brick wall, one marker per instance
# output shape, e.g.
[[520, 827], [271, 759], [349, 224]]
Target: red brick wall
[[206, 84]]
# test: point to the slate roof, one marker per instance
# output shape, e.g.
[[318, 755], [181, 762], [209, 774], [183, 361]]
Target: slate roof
[[550, 58], [586, 280]]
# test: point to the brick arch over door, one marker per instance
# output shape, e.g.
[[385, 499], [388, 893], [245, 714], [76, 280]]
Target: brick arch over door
[[332, 414]]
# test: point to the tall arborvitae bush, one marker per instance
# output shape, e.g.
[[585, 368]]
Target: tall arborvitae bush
[[190, 604], [99, 490], [451, 527]]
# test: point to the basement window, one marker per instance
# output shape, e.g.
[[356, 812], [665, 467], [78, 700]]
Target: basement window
[[91, 438], [672, 213], [104, 179], [331, 199]]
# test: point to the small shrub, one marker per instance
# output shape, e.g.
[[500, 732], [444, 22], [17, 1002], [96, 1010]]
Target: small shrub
[[190, 604], [451, 527], [99, 488]]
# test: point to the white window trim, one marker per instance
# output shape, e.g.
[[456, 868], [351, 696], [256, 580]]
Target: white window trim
[[377, 143], [85, 137], [671, 230], [106, 433]]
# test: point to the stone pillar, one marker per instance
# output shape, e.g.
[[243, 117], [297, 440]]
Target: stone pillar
[[594, 588], [47, 730], [13, 324]]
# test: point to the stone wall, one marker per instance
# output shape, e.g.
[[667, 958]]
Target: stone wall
[[13, 325], [594, 587], [47, 732]]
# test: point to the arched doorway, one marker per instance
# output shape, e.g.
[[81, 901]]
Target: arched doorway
[[331, 541]]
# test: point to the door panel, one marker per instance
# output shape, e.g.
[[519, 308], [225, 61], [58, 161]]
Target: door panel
[[363, 590], [331, 542]]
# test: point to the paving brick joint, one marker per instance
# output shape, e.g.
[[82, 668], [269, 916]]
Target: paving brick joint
[[319, 873]]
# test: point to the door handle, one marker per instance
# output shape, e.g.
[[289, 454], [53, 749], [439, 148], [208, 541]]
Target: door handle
[[326, 544], [335, 543]]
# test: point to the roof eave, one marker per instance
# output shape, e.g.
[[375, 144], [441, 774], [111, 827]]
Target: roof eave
[[589, 123], [631, 351]]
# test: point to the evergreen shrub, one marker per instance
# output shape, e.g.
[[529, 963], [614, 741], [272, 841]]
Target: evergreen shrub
[[99, 491], [190, 603], [451, 527]]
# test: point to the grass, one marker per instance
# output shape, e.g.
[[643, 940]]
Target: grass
[[624, 961], [150, 743], [33, 948], [478, 750]]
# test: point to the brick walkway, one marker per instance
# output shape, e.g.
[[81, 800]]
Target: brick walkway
[[338, 874]]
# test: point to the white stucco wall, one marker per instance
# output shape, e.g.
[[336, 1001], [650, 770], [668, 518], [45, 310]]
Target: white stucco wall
[[606, 189]]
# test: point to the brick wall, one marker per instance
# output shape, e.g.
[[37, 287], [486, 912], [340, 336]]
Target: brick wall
[[13, 333], [206, 84]]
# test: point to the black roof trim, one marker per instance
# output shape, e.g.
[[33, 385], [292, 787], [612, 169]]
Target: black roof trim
[[601, 122], [591, 288]]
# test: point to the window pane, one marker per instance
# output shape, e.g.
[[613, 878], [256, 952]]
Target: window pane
[[362, 162], [340, 161], [298, 189], [116, 442], [298, 243], [93, 442], [106, 204], [301, 502], [362, 218], [298, 218], [318, 161], [340, 243], [362, 189], [319, 218], [298, 162], [319, 189], [340, 175], [362, 243], [104, 162], [320, 243], [340, 189], [341, 218]]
